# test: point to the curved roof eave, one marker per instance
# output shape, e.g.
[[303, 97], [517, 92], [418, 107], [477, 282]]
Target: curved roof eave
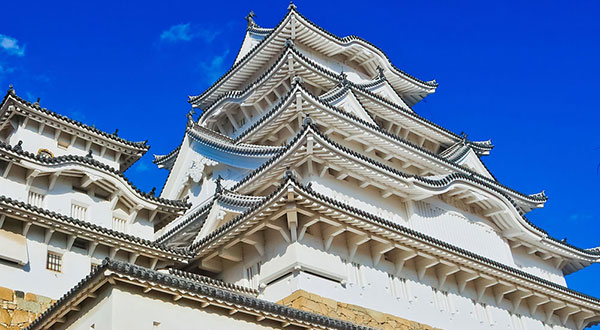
[[427, 87]]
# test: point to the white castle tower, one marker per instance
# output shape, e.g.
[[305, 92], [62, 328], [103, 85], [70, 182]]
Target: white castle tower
[[306, 194]]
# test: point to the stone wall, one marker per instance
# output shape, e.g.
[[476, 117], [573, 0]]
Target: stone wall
[[313, 303], [18, 309]]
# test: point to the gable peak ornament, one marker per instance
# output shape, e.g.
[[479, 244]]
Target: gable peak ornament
[[250, 19]]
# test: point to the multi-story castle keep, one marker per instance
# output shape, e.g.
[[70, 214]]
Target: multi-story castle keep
[[305, 193]]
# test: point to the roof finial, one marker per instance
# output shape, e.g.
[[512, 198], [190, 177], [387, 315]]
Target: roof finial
[[250, 19], [89, 155], [380, 72], [297, 80], [190, 117], [219, 188], [289, 42], [116, 133], [19, 146], [288, 173], [37, 102], [344, 78], [11, 90], [292, 5], [153, 191], [307, 120], [464, 136]]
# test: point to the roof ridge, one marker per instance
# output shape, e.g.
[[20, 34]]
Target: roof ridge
[[127, 269], [141, 145], [391, 135], [90, 225], [289, 179], [99, 165]]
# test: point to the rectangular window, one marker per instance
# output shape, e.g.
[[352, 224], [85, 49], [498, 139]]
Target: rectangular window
[[78, 211], [35, 199], [54, 262], [118, 224]]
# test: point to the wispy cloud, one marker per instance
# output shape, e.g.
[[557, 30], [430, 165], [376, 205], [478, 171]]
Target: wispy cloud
[[11, 46], [4, 69], [188, 32], [141, 167], [214, 68], [579, 216]]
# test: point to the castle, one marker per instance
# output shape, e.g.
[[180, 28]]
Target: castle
[[305, 193]]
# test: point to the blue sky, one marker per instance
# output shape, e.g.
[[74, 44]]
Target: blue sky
[[524, 74]]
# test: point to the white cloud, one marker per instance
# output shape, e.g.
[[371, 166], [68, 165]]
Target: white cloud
[[214, 68], [187, 32], [11, 46]]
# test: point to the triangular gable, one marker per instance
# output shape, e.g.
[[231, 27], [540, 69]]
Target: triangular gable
[[471, 161], [349, 103]]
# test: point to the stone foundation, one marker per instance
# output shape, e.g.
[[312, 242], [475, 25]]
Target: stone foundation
[[18, 309], [359, 315]]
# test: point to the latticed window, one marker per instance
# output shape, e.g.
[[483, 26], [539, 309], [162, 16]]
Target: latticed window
[[78, 211], [35, 199], [119, 224], [54, 262]]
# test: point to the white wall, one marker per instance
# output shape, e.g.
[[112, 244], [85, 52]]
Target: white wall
[[129, 309], [34, 141]]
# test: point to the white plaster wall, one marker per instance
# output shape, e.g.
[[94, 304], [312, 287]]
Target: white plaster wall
[[334, 64], [407, 297], [61, 197], [131, 310], [34, 277], [98, 315], [442, 221], [32, 142]]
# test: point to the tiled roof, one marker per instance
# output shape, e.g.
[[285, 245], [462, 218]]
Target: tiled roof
[[91, 226], [97, 164], [290, 180], [437, 183], [197, 287], [142, 146], [347, 39], [531, 198]]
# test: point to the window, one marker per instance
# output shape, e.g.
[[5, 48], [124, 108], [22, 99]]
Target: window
[[35, 199], [54, 262], [78, 211], [118, 224]]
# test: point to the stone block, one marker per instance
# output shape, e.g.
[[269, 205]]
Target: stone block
[[30, 296], [20, 317], [5, 317], [30, 306], [6, 294]]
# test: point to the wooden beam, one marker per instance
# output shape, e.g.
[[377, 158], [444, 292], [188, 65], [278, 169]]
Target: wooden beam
[[353, 241], [401, 258], [330, 233], [464, 277], [378, 250]]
